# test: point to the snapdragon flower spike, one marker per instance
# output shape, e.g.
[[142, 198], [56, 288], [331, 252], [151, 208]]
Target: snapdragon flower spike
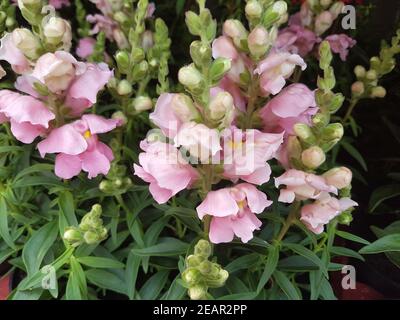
[[323, 210], [233, 212], [78, 148], [301, 185], [246, 154], [341, 44], [164, 167], [294, 104], [29, 117]]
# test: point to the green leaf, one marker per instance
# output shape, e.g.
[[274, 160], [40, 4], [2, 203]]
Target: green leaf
[[154, 285], [167, 247], [106, 280], [80, 276], [327, 291], [243, 262], [175, 291], [308, 254], [179, 6], [270, 266], [287, 287], [351, 237], [381, 194], [100, 262], [295, 263], [73, 291], [240, 296], [388, 243], [38, 181], [39, 167], [4, 229], [131, 272], [37, 246], [355, 154], [340, 251]]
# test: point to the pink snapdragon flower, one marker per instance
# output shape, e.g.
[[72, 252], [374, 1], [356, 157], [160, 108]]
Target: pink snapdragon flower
[[294, 104], [85, 47], [246, 154], [302, 186], [296, 39], [202, 142], [323, 210], [10, 53], [163, 166], [341, 44], [78, 147], [230, 86], [275, 69], [102, 23], [165, 117], [28, 117], [233, 212]]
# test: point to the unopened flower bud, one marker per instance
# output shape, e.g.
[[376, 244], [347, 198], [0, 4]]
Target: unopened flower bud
[[378, 92], [120, 39], [191, 276], [360, 71], [58, 32], [313, 157], [253, 9], [304, 132], [203, 248], [184, 108], [280, 7], [221, 105], [333, 131], [105, 186], [259, 41], [122, 58], [205, 267], [147, 40], [27, 42], [200, 52], [119, 115], [358, 88], [190, 77], [142, 103], [338, 177], [336, 9], [194, 260], [371, 75], [32, 5], [323, 22], [198, 292], [72, 235], [120, 17], [235, 29], [293, 148], [124, 87], [91, 237], [375, 63]]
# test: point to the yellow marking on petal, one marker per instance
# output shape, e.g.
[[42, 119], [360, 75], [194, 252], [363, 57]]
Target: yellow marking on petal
[[241, 204], [87, 134], [235, 145]]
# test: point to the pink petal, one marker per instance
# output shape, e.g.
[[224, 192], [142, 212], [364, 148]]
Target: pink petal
[[67, 166], [98, 124], [256, 200], [94, 163], [221, 230], [25, 131], [159, 194], [10, 53], [164, 116], [218, 203]]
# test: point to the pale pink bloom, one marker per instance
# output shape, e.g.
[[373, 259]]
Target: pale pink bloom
[[29, 117], [224, 47], [296, 39], [323, 22], [294, 104], [57, 70], [322, 211], [341, 44], [301, 185], [165, 117], [202, 142], [59, 3], [102, 23], [275, 69], [233, 212], [105, 6], [163, 166], [85, 47], [10, 53], [246, 154], [78, 147], [82, 93]]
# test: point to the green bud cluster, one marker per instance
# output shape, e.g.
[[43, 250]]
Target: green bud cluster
[[201, 273], [321, 136], [7, 16], [116, 181], [89, 231]]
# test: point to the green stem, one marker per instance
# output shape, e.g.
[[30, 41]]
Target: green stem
[[251, 105], [350, 109], [289, 220]]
